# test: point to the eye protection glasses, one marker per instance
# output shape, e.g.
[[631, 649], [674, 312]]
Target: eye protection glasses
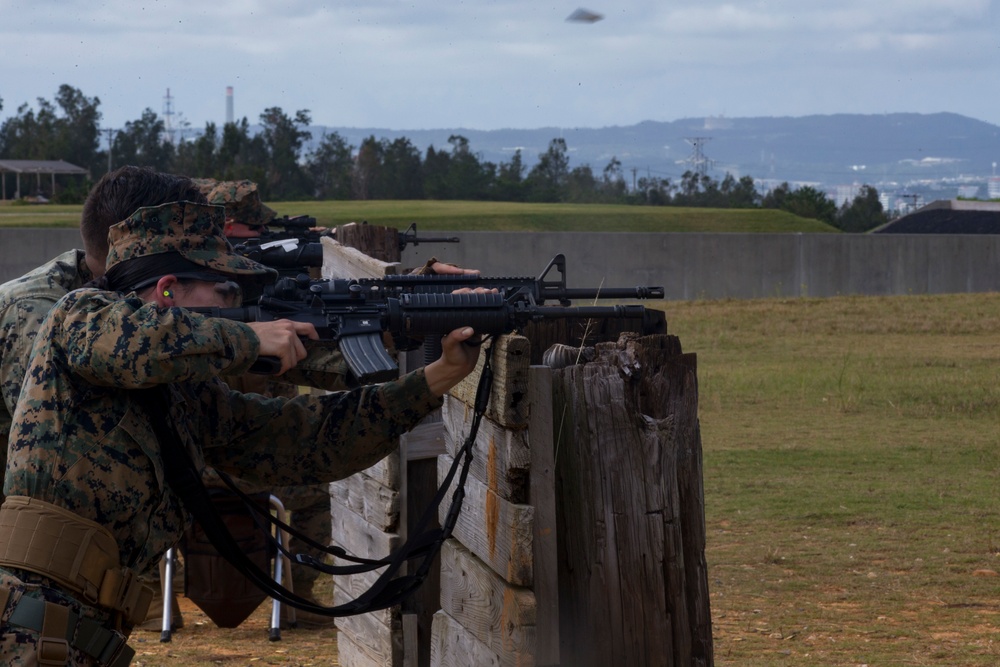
[[224, 285], [230, 290]]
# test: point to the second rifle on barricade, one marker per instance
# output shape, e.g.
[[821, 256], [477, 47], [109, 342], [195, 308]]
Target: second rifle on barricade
[[304, 229], [292, 245]]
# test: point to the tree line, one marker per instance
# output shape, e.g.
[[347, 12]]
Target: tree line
[[277, 159]]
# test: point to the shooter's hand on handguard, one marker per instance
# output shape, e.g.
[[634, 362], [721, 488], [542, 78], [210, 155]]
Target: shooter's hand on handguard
[[433, 267]]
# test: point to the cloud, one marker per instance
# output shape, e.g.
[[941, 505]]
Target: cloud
[[496, 63]]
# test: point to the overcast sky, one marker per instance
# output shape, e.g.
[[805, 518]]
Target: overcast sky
[[491, 64]]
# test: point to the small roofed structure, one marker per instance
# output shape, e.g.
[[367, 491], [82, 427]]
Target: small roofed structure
[[37, 167], [955, 216]]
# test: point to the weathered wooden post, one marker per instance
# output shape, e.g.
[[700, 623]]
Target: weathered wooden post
[[582, 539], [376, 241], [632, 574]]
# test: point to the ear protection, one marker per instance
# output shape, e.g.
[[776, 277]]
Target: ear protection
[[167, 293]]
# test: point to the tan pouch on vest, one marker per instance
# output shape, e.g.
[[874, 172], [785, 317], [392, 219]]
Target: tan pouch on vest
[[79, 554]]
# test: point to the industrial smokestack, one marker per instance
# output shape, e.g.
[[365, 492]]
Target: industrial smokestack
[[229, 104]]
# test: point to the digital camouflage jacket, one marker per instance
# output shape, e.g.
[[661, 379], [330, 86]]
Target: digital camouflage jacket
[[79, 439], [24, 303]]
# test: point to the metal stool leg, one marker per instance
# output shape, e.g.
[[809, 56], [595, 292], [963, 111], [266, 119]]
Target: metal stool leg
[[167, 589], [280, 572]]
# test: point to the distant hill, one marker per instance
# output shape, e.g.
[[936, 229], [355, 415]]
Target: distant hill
[[840, 149]]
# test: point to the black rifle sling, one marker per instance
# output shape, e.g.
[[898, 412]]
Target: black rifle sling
[[184, 478], [423, 543]]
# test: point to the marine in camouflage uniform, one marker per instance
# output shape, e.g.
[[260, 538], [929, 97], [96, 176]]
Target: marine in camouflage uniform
[[246, 214], [246, 217], [24, 302], [82, 444]]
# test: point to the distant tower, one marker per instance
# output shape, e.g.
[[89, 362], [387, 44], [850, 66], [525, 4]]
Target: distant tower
[[699, 163], [168, 116], [229, 104]]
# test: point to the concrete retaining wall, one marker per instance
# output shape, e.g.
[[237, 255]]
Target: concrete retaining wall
[[742, 266], [21, 250], [688, 266]]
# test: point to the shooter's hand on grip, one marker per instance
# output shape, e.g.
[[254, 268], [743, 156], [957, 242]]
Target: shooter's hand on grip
[[457, 360], [281, 339]]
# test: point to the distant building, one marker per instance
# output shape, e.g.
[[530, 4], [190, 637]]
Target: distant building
[[845, 194], [968, 191], [718, 123], [993, 187]]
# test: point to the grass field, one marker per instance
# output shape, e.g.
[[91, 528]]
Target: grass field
[[851, 456], [490, 216]]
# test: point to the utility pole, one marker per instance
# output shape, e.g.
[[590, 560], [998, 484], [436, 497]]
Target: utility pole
[[168, 116], [110, 132]]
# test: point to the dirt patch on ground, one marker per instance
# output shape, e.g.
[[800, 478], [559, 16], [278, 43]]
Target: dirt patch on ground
[[200, 642]]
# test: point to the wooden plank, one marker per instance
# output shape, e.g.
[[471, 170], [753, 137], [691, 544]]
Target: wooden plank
[[359, 538], [354, 585], [497, 531], [501, 456], [350, 655], [426, 441], [500, 616], [363, 495], [378, 635], [349, 587], [362, 643], [545, 546], [507, 405], [385, 472], [353, 533], [453, 646]]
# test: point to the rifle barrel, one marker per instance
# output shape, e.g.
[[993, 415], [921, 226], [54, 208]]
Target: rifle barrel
[[639, 292]]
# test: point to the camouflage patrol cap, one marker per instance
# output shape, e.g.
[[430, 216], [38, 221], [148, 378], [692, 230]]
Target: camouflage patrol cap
[[241, 199], [189, 230]]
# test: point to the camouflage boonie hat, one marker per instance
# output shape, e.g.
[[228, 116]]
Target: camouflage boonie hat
[[194, 231], [206, 185], [241, 199]]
